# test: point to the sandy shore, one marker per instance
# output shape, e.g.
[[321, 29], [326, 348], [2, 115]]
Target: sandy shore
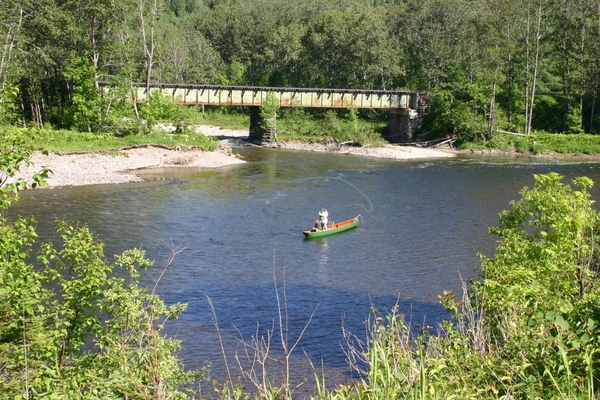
[[96, 168]]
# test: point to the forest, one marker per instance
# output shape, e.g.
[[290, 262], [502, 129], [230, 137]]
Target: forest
[[517, 66]]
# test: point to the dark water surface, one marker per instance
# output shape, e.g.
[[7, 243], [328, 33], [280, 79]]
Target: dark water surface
[[422, 225]]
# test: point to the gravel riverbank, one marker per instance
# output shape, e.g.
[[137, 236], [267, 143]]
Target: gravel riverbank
[[92, 168]]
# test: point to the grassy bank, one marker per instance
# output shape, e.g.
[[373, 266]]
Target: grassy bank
[[70, 141], [540, 143]]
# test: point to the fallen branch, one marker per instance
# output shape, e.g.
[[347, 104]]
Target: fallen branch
[[510, 133], [430, 143], [449, 140]]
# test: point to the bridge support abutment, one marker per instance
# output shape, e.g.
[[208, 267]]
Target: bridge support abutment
[[257, 131], [403, 124]]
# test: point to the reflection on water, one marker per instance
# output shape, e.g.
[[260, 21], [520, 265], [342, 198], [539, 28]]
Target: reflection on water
[[323, 258], [423, 223]]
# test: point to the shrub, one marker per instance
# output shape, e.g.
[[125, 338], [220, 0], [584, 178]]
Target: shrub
[[161, 108], [75, 325]]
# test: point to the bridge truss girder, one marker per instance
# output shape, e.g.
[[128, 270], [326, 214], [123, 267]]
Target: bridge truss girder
[[288, 97]]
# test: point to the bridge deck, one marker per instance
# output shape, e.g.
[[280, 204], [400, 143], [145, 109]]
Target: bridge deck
[[288, 97]]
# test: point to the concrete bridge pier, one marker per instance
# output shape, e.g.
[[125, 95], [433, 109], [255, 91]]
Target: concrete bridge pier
[[405, 121], [256, 130], [257, 133]]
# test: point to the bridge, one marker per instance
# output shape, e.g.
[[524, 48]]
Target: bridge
[[407, 108]]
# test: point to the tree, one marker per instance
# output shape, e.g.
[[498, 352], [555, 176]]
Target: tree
[[440, 39], [87, 111], [282, 56], [569, 26], [595, 70], [507, 30], [91, 25], [11, 15], [185, 55], [350, 49], [149, 12], [534, 34], [27, 30], [268, 115]]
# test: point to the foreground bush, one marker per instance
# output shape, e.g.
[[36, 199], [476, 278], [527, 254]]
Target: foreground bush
[[529, 328], [74, 325]]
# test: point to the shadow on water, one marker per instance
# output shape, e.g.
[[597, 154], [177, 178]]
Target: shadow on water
[[319, 314]]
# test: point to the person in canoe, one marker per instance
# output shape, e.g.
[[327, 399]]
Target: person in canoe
[[323, 220]]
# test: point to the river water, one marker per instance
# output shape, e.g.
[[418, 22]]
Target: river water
[[238, 234]]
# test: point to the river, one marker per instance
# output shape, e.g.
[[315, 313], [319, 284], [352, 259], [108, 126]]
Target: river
[[238, 234]]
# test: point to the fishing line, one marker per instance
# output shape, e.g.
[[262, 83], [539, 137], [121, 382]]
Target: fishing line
[[346, 182]]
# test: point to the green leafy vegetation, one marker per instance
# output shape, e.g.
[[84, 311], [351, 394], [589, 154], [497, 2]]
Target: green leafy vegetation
[[16, 146], [160, 108], [352, 129], [268, 111], [540, 142], [70, 141]]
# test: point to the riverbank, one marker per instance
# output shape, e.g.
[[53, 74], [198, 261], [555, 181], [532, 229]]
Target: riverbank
[[94, 168]]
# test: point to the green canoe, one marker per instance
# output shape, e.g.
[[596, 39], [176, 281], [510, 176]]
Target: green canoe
[[333, 228]]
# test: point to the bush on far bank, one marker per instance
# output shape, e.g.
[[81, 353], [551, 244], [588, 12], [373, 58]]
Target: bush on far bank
[[539, 142]]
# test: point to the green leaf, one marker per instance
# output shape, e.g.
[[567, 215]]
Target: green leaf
[[550, 315], [561, 322]]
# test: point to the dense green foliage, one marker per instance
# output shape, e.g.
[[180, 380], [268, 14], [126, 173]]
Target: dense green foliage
[[507, 65], [73, 324]]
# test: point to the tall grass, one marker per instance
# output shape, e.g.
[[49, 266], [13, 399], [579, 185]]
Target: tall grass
[[71, 141], [459, 362], [540, 143]]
